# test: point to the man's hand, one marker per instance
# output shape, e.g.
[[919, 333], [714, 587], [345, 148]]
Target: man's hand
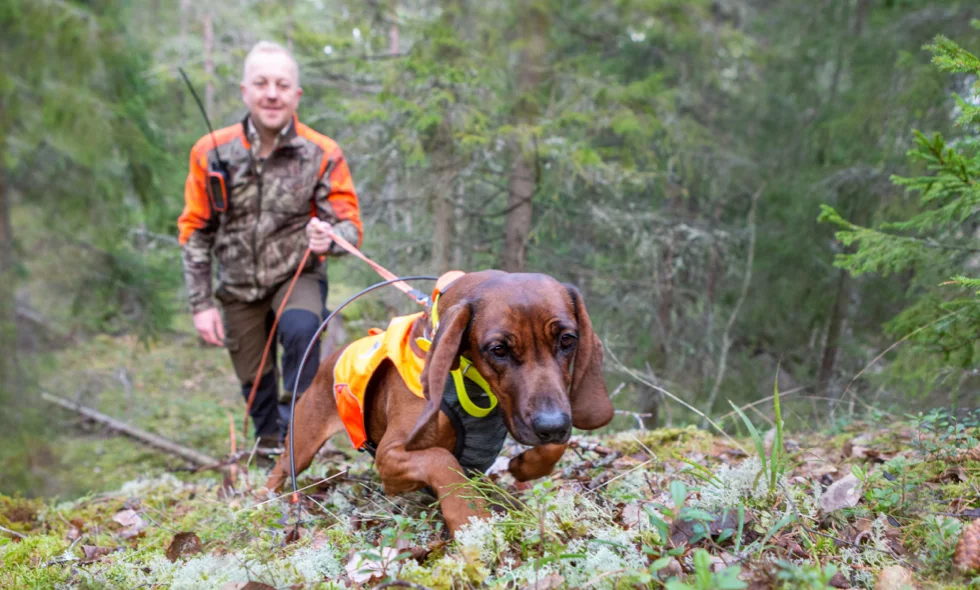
[[209, 326], [318, 233]]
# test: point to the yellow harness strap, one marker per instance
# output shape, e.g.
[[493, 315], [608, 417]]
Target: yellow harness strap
[[464, 370]]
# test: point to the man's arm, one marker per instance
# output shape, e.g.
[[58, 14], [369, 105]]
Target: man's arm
[[336, 200], [196, 235]]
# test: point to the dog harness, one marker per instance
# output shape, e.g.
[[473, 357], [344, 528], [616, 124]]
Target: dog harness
[[467, 399]]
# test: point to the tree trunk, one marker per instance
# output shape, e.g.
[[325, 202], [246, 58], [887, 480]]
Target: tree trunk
[[393, 29], [829, 360], [443, 152], [208, 26], [523, 177], [443, 195], [8, 325], [665, 288]]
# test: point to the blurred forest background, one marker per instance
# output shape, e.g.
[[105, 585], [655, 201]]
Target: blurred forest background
[[687, 163]]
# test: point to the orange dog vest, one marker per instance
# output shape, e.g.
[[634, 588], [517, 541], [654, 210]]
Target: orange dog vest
[[360, 360]]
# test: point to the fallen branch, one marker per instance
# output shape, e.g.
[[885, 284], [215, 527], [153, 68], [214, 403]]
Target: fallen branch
[[153, 440]]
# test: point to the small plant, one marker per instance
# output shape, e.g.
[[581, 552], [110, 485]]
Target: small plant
[[807, 576], [774, 465], [704, 579], [943, 435]]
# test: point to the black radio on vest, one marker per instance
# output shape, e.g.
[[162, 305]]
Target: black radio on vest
[[217, 171]]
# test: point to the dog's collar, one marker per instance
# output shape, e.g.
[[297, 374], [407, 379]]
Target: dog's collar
[[466, 369]]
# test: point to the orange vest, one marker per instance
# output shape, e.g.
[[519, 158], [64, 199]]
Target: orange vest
[[360, 360]]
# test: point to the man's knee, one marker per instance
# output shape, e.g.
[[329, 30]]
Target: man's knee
[[297, 328]]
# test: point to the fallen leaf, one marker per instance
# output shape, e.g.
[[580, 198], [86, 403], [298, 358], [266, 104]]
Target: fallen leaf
[[844, 493], [895, 577], [634, 513], [362, 567], [93, 553], [682, 531], [546, 583], [131, 521], [952, 474], [673, 568], [183, 544], [839, 581], [294, 535]]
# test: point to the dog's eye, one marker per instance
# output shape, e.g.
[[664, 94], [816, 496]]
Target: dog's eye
[[567, 342], [499, 351]]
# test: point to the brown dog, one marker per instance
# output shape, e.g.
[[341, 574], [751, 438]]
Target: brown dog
[[523, 333]]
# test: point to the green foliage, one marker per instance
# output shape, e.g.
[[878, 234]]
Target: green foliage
[[931, 247]]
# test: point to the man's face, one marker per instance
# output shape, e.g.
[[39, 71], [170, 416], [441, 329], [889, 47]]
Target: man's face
[[271, 90]]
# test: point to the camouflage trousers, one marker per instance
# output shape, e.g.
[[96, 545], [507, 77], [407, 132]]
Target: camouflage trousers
[[247, 326]]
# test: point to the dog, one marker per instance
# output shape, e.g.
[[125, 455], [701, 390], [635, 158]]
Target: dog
[[530, 339]]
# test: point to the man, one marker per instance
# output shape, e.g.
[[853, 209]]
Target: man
[[287, 186]]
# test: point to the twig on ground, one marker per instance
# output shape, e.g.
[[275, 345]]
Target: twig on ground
[[639, 416], [588, 446], [14, 533], [401, 584], [290, 492]]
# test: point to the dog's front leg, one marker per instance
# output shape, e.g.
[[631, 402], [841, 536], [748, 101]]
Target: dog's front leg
[[405, 471], [536, 462]]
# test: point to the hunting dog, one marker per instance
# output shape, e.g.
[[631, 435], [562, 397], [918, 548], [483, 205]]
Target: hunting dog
[[530, 338]]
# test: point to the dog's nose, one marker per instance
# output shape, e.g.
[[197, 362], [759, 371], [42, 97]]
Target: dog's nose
[[552, 426]]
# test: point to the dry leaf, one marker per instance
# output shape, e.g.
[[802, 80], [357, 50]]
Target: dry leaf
[[895, 577], [546, 583], [131, 521], [952, 474], [183, 544], [634, 513], [967, 556], [361, 568], [93, 553], [845, 493]]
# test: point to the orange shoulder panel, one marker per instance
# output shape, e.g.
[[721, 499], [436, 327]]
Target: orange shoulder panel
[[343, 197], [197, 208]]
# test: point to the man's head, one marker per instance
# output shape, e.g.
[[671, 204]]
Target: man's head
[[270, 86]]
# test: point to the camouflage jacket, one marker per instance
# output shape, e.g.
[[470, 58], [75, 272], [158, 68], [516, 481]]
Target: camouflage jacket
[[261, 237]]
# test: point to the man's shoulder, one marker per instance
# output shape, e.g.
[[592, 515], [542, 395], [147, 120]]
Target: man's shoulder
[[327, 144], [221, 137]]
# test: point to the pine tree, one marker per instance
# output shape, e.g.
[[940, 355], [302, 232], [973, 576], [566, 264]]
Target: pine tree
[[936, 246]]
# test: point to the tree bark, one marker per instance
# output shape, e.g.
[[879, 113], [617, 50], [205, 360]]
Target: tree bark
[[665, 288], [393, 32], [8, 318], [828, 360], [444, 166], [523, 177], [443, 195]]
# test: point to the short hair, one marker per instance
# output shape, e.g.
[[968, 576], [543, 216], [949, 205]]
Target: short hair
[[269, 47]]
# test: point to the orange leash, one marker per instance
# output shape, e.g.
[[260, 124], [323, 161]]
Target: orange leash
[[272, 337], [386, 274]]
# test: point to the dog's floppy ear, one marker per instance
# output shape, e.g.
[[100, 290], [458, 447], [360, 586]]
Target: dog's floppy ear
[[591, 408], [442, 357]]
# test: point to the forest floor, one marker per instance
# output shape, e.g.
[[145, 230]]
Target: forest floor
[[875, 503]]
